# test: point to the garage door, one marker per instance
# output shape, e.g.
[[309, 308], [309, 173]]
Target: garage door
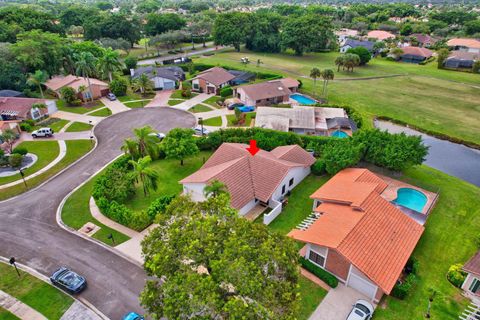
[[362, 285], [169, 85]]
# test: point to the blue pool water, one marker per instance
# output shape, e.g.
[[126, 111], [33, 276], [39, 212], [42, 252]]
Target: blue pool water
[[302, 99], [411, 198], [339, 134]]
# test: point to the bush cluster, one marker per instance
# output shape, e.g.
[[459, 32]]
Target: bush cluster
[[20, 150], [401, 290], [456, 275], [226, 91], [159, 205], [116, 184], [324, 275], [118, 87], [123, 215]]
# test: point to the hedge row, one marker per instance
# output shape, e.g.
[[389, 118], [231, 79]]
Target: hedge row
[[326, 276]]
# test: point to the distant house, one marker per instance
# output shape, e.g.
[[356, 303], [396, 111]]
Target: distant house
[[11, 93], [212, 80], [380, 35], [352, 43], [463, 44], [241, 77], [305, 120], [266, 93], [10, 125], [424, 40], [471, 285], [260, 180], [415, 54], [461, 59], [98, 88], [24, 108], [344, 34], [357, 234], [163, 78]]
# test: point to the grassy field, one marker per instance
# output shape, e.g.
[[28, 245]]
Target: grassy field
[[439, 100], [41, 296], [78, 127], [174, 102], [80, 109], [5, 315], [310, 297], [104, 112], [214, 122], [131, 96], [199, 108], [46, 151], [75, 150], [55, 126], [137, 104]]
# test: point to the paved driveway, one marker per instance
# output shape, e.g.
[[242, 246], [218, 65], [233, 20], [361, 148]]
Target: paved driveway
[[29, 231], [337, 304]]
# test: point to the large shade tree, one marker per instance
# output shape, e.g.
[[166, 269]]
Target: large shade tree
[[179, 144], [231, 29], [110, 62]]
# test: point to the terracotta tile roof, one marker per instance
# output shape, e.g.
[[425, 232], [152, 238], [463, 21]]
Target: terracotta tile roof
[[473, 265], [368, 231], [216, 76], [416, 51], [247, 177], [463, 42], [19, 106], [75, 82], [288, 82], [380, 34], [423, 38], [265, 90]]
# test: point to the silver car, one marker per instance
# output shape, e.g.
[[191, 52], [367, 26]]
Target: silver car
[[362, 310]]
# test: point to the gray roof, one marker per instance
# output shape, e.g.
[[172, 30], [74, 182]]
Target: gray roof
[[284, 118], [172, 73], [358, 43], [241, 75], [341, 123], [10, 93]]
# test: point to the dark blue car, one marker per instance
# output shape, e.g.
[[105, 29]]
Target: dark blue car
[[246, 108], [68, 280]]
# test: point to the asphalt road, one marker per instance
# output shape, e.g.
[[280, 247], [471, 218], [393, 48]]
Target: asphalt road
[[29, 231]]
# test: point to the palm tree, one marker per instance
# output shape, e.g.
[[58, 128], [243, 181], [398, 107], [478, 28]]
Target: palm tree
[[8, 136], [146, 141], [85, 66], [148, 176], [37, 79], [327, 75], [351, 60], [340, 62], [314, 74], [214, 188], [142, 84], [109, 63], [130, 147]]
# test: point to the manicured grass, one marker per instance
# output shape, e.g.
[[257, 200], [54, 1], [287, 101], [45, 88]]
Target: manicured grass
[[61, 105], [213, 101], [75, 150], [104, 112], [175, 102], [214, 122], [135, 96], [76, 212], [6, 315], [248, 119], [199, 108], [78, 127], [170, 172], [41, 296], [177, 94], [310, 297], [56, 126], [46, 152], [137, 104]]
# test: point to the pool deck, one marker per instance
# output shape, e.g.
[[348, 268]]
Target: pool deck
[[390, 193]]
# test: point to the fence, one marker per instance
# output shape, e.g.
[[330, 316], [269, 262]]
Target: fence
[[276, 210]]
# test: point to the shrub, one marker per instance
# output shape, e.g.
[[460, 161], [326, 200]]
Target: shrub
[[226, 91], [456, 275], [363, 53], [186, 93], [15, 160], [116, 184], [26, 127], [123, 215], [401, 290], [318, 168], [20, 150], [76, 103], [412, 266], [29, 121], [118, 87], [300, 83], [339, 155], [68, 94], [130, 62], [326, 276], [159, 205]]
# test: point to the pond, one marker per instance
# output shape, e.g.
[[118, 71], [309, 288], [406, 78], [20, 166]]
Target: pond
[[452, 158]]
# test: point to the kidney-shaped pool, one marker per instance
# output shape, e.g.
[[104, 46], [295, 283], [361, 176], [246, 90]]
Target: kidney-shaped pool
[[411, 198]]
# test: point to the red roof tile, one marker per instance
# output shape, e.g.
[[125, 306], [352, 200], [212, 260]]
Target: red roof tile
[[416, 51], [216, 76], [21, 106]]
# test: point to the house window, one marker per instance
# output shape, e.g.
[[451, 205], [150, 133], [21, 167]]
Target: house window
[[475, 285], [283, 189], [316, 258], [196, 86], [87, 95], [290, 183]]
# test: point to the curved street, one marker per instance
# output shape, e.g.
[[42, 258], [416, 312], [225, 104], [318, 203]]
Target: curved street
[[30, 233]]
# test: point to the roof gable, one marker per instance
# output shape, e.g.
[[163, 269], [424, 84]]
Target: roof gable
[[216, 76]]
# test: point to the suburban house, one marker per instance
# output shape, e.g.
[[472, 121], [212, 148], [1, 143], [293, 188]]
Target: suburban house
[[212, 80], [25, 108], [424, 40], [380, 35], [471, 285], [263, 93], [344, 34], [261, 180], [305, 120], [10, 125], [358, 235], [98, 88], [463, 44], [241, 77], [163, 78], [352, 43], [415, 54], [461, 59], [11, 93]]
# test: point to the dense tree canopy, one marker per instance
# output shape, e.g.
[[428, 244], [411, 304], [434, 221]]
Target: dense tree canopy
[[264, 33], [160, 23], [14, 20], [231, 29], [113, 26]]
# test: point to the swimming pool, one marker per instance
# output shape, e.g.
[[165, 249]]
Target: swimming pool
[[304, 100], [411, 198], [339, 134]]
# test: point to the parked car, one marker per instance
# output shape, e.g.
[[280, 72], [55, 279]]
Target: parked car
[[198, 131], [159, 135], [132, 316], [111, 96], [246, 108], [68, 280], [42, 132], [235, 105], [362, 310]]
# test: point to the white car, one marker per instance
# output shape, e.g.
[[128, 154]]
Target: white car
[[198, 131], [42, 132], [159, 135], [362, 310]]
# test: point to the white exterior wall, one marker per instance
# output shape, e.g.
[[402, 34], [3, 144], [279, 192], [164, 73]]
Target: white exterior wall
[[244, 98], [195, 190], [344, 49], [298, 174], [276, 210], [246, 208], [51, 106], [195, 82], [160, 83]]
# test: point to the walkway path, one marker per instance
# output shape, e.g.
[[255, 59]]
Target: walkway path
[[18, 308], [115, 106], [70, 116], [78, 311], [63, 151], [161, 99], [192, 102]]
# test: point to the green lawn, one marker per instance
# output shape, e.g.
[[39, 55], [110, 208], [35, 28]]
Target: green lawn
[[41, 296], [213, 101], [248, 119], [175, 102], [310, 297], [5, 315], [75, 150], [199, 108], [46, 152], [76, 212], [135, 96], [214, 122], [104, 112], [56, 124], [78, 127], [61, 105], [137, 104]]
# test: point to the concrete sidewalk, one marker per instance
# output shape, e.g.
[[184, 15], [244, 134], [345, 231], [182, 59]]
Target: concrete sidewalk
[[70, 116], [192, 102], [78, 311], [18, 308], [115, 106]]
